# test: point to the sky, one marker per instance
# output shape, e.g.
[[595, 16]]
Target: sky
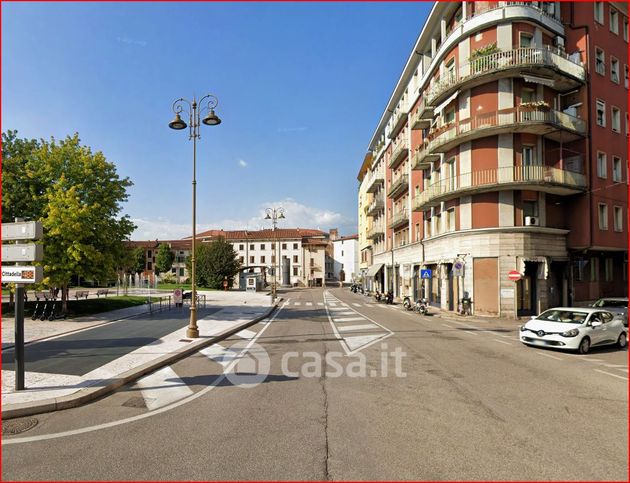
[[301, 88]]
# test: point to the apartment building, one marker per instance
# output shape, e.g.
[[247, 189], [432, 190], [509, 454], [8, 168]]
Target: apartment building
[[297, 254], [502, 148], [365, 220], [345, 258]]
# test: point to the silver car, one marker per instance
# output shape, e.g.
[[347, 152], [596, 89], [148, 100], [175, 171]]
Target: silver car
[[617, 305]]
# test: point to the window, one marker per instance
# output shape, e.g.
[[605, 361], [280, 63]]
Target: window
[[617, 176], [241, 247], [600, 61], [149, 253], [616, 119], [450, 219], [525, 40], [608, 269], [599, 12], [417, 231], [530, 208], [295, 246], [613, 16], [603, 216], [251, 247], [295, 271], [449, 69], [614, 70], [618, 218], [601, 113], [312, 262], [149, 266], [625, 29], [262, 246], [262, 259], [601, 164], [594, 269], [284, 246], [181, 272], [527, 95], [449, 116], [625, 76], [241, 260], [273, 259], [295, 259], [528, 156]]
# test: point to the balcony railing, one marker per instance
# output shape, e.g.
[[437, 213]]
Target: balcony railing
[[422, 116], [421, 158], [376, 231], [400, 116], [377, 206], [398, 186], [398, 153], [554, 179], [399, 219], [376, 180], [500, 61], [445, 137]]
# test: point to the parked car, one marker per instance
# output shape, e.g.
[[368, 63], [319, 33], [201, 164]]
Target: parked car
[[617, 305], [574, 329]]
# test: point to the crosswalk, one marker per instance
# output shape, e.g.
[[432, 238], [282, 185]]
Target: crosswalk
[[354, 336]]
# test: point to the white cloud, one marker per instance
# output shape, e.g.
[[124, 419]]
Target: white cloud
[[242, 163], [296, 215]]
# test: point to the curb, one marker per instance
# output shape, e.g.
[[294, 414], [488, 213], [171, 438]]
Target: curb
[[83, 396]]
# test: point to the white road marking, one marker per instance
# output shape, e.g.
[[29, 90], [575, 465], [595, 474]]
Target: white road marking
[[89, 429], [471, 333], [297, 303], [357, 327], [356, 305], [447, 326], [320, 303], [161, 388], [592, 360], [219, 354], [246, 334], [501, 341], [610, 374], [617, 366], [550, 356], [308, 304], [357, 341], [348, 319]]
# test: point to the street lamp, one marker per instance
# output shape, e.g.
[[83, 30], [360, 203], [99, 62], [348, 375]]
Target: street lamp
[[194, 119], [274, 214]]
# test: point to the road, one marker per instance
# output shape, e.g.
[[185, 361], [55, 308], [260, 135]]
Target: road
[[401, 397]]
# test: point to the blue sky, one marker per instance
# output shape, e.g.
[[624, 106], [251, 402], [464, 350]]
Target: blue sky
[[300, 87]]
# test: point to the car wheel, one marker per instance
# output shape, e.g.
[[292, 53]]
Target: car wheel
[[622, 341], [585, 345]]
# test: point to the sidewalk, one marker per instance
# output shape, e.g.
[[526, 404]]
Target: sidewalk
[[226, 314]]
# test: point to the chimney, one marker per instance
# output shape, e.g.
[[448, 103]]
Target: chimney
[[334, 233]]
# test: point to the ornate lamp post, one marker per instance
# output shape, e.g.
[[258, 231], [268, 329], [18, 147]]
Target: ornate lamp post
[[274, 214], [194, 111]]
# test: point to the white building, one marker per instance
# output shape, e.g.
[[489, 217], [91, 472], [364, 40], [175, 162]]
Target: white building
[[345, 264]]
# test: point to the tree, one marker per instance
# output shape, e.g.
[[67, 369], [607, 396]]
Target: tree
[[139, 260], [77, 196], [215, 261], [164, 259]]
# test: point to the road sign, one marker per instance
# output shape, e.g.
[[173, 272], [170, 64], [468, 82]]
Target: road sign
[[22, 253], [426, 273], [178, 296], [458, 269], [514, 275], [22, 230], [28, 274]]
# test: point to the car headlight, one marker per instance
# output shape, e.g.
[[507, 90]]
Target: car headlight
[[523, 328], [570, 333]]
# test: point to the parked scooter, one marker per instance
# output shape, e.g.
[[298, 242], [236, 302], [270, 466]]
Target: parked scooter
[[422, 306], [389, 297], [407, 304], [36, 314]]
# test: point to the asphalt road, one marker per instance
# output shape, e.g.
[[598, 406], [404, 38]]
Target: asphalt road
[[401, 397]]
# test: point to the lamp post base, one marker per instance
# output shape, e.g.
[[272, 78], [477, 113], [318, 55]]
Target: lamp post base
[[192, 331]]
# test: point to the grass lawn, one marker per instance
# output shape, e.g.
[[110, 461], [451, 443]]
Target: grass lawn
[[78, 308]]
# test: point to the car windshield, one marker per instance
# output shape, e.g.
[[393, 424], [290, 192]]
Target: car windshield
[[568, 316], [611, 303]]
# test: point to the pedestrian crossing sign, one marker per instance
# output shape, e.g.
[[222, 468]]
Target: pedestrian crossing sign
[[426, 273]]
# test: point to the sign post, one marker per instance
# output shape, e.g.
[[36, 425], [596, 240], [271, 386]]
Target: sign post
[[30, 230]]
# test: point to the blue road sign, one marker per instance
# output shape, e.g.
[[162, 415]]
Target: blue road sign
[[426, 273]]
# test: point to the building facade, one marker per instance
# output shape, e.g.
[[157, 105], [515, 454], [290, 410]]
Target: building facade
[[504, 148], [346, 258]]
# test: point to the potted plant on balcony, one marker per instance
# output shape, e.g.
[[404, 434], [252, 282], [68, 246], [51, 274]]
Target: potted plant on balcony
[[477, 61], [540, 106]]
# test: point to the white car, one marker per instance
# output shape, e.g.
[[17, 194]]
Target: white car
[[574, 329], [616, 305]]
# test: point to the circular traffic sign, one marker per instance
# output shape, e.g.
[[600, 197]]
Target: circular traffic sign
[[514, 275]]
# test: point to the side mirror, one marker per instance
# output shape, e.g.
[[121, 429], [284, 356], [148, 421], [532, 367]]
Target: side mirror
[[596, 323]]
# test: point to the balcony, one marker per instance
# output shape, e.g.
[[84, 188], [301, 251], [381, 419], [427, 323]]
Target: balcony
[[375, 232], [399, 220], [398, 153], [399, 186], [422, 158], [399, 117], [375, 182], [555, 67], [536, 178], [557, 126], [376, 207], [422, 116]]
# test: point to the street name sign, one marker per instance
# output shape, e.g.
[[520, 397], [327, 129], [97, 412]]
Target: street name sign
[[22, 230], [28, 274], [22, 253]]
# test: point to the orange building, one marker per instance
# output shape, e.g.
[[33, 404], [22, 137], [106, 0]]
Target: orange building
[[504, 147]]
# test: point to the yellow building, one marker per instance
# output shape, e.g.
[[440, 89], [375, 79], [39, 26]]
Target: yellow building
[[365, 221]]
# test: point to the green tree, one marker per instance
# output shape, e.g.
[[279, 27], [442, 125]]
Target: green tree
[[164, 259], [77, 195], [139, 257], [215, 261]]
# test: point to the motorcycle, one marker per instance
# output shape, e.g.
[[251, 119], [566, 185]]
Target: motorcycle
[[389, 297], [407, 303], [422, 306], [377, 296]]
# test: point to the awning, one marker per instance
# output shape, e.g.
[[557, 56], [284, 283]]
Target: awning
[[441, 107], [539, 80], [374, 269]]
